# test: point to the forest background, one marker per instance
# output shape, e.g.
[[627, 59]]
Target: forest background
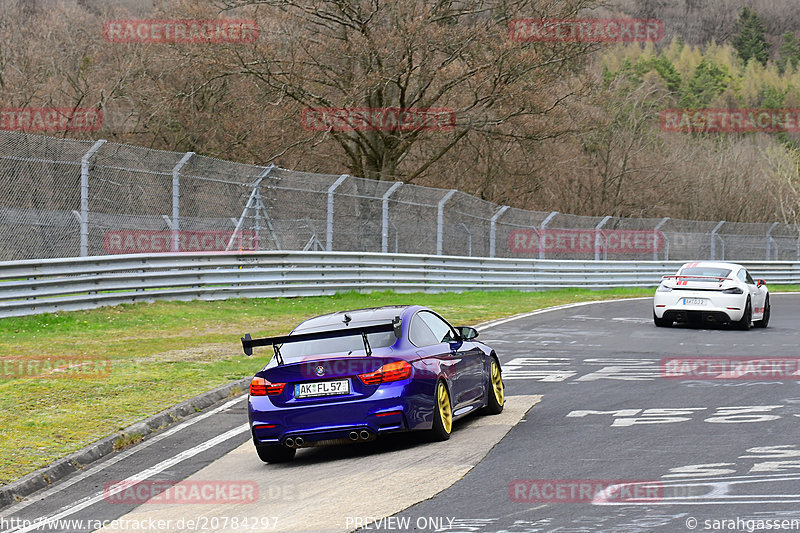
[[569, 127]]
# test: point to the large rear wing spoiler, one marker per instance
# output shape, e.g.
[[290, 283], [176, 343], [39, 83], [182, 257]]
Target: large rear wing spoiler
[[687, 277], [697, 277], [248, 343]]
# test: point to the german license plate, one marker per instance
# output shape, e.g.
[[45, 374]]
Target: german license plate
[[322, 388], [694, 301]]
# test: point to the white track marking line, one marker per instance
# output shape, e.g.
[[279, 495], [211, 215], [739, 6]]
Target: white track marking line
[[500, 322], [144, 474], [124, 455]]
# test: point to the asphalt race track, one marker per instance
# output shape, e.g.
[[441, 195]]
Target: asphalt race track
[[588, 406]]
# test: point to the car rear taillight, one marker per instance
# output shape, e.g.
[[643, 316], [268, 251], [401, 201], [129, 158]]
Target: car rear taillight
[[733, 290], [390, 372], [262, 387]]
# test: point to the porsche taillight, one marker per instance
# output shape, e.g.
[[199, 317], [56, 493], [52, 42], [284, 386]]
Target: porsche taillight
[[262, 387], [387, 373]]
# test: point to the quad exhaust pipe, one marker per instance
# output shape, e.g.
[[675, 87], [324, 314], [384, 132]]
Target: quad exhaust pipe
[[355, 436]]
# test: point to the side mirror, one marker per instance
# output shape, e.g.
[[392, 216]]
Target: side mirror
[[467, 333], [761, 283]]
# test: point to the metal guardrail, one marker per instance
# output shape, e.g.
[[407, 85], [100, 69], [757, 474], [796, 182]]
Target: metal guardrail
[[50, 285]]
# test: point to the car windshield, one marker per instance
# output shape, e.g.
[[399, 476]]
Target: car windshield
[[301, 350], [714, 272]]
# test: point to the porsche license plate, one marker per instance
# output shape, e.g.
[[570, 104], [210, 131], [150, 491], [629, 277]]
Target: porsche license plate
[[694, 301], [322, 388]]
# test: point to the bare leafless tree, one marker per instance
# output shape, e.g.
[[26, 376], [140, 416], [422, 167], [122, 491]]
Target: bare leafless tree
[[412, 54]]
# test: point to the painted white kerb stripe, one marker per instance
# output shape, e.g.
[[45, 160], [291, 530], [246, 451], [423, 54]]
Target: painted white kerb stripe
[[117, 458], [144, 474]]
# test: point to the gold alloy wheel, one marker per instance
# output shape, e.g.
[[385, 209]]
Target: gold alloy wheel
[[497, 383], [445, 413]]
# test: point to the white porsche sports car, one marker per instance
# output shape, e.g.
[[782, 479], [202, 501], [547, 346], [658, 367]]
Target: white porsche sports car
[[710, 292]]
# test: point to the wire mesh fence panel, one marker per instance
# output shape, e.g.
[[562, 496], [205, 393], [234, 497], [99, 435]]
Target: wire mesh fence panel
[[516, 233], [357, 215], [298, 203], [412, 220], [468, 222], [63, 198], [40, 195]]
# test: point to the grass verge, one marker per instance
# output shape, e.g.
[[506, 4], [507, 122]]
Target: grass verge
[[166, 352]]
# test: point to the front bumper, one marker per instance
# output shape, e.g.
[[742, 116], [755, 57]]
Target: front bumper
[[716, 307]]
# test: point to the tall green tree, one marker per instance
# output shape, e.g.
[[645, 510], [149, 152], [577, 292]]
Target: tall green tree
[[708, 82], [750, 37], [789, 51], [636, 71]]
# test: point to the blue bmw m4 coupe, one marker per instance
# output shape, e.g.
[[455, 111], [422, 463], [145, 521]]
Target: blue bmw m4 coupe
[[354, 375]]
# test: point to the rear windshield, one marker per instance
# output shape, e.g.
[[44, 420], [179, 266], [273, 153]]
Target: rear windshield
[[300, 350], [706, 271]]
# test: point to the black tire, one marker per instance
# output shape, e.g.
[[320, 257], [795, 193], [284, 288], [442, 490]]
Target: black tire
[[275, 453], [747, 317], [442, 413], [661, 322], [496, 389], [764, 322]]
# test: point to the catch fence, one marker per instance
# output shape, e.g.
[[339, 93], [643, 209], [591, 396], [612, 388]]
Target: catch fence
[[71, 198]]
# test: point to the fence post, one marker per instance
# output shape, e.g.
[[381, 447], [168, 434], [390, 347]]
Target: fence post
[[385, 216], [469, 239], [440, 219], [655, 239], [542, 227], [770, 240], [714, 240], [176, 199], [329, 230], [597, 229], [85, 196], [493, 229]]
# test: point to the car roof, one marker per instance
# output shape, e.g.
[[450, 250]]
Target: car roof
[[358, 316]]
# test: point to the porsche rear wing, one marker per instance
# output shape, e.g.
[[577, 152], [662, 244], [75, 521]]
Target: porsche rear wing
[[698, 277], [701, 278], [249, 343]]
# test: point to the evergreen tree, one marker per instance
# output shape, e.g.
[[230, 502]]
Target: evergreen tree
[[750, 37], [789, 52], [772, 97], [635, 71], [665, 69], [708, 82]]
